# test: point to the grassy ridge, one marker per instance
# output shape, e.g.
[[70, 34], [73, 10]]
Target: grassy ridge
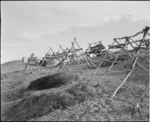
[[12, 66], [35, 106]]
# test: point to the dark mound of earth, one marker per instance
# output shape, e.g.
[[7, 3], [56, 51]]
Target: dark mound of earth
[[52, 81]]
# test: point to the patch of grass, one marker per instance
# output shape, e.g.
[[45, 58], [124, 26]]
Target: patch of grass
[[36, 106], [13, 94]]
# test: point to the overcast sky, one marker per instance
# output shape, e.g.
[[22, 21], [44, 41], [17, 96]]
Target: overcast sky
[[34, 26]]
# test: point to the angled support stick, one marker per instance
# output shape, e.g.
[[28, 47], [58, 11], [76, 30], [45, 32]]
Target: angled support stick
[[133, 66], [54, 54], [69, 58], [83, 53], [101, 62], [57, 58], [141, 98], [83, 63], [128, 41], [109, 68], [79, 51], [58, 50], [138, 45], [91, 61], [64, 65], [77, 64]]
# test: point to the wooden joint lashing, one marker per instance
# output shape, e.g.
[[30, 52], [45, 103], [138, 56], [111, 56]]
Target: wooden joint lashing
[[116, 46]]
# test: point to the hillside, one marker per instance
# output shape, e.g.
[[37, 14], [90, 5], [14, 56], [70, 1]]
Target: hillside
[[11, 66], [41, 96]]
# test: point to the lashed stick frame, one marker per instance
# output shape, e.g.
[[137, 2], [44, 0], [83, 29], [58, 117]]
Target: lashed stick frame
[[70, 59], [123, 50], [50, 59], [65, 53], [80, 59], [137, 49], [71, 52], [84, 61], [39, 67], [86, 58], [58, 55]]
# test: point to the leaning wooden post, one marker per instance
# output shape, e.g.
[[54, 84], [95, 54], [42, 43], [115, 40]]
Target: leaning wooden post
[[54, 54], [137, 45], [68, 56], [101, 62], [45, 57], [60, 47], [76, 56], [82, 63], [141, 98], [82, 50], [91, 61], [64, 65], [109, 68], [58, 50], [83, 53], [74, 53], [133, 66]]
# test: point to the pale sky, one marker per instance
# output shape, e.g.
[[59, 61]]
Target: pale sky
[[34, 26]]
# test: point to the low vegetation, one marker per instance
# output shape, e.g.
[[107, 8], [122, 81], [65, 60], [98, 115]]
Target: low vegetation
[[70, 96]]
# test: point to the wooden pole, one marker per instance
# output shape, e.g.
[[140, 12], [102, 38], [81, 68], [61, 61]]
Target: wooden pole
[[58, 58], [83, 63], [86, 56], [101, 62], [128, 41], [133, 66], [91, 62], [79, 51], [138, 45], [69, 58], [109, 68], [141, 98], [64, 65], [58, 50]]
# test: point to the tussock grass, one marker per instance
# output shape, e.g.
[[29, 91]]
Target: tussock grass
[[12, 95], [39, 105]]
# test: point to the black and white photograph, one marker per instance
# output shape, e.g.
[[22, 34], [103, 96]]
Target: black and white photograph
[[75, 60]]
